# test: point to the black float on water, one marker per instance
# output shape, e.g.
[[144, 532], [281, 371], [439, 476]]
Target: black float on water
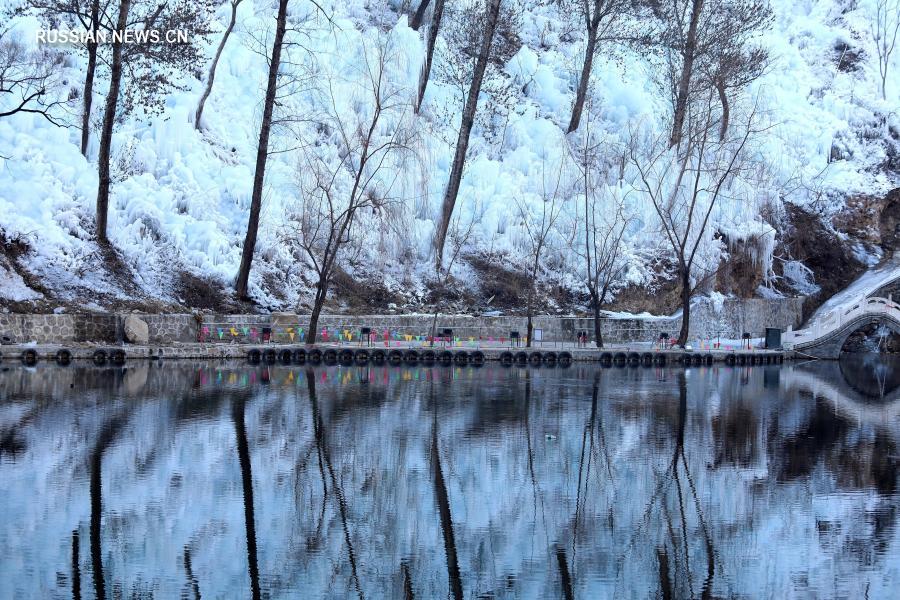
[[299, 356], [461, 357], [446, 357], [269, 356], [314, 356], [477, 358], [284, 357], [506, 358], [395, 357], [345, 357], [254, 357], [428, 357], [99, 357], [362, 357], [329, 356], [117, 357], [521, 358], [63, 357], [29, 357], [411, 357]]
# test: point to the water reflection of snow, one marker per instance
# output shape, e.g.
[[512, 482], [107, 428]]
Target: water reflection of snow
[[772, 489]]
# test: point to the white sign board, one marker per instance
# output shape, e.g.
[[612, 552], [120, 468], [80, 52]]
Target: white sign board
[[538, 335]]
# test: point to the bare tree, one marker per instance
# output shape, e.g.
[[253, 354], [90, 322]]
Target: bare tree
[[212, 68], [86, 14], [152, 68], [885, 28], [684, 185], [711, 38], [262, 152], [28, 80], [468, 118], [436, 16], [540, 229], [459, 233], [336, 187], [94, 25], [602, 20], [599, 225], [419, 15], [109, 117]]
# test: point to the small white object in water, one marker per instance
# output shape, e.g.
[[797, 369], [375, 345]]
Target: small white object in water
[[550, 436]]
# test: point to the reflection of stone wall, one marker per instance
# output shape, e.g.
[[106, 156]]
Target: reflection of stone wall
[[735, 317]]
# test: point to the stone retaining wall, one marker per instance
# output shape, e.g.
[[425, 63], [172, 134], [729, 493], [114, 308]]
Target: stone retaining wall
[[707, 322]]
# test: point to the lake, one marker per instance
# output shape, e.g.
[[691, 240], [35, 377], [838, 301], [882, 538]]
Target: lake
[[208, 479]]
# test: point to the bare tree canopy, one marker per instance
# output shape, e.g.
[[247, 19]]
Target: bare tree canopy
[[708, 44], [684, 185], [29, 80], [599, 222], [885, 27], [540, 227], [334, 188]]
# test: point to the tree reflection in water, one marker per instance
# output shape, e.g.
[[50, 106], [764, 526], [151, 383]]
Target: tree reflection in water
[[437, 482]]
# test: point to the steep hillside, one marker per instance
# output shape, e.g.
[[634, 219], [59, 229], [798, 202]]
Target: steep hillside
[[830, 151]]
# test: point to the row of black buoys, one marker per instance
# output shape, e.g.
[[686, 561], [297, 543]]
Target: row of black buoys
[[754, 359], [695, 359], [362, 356], [535, 358], [116, 357]]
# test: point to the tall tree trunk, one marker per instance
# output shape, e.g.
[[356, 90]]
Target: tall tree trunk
[[581, 94], [76, 569], [262, 153], [89, 78], [104, 440], [243, 449], [443, 502], [109, 119], [598, 328], [212, 68], [532, 292], [419, 15], [462, 143], [687, 67], [318, 303], [726, 109], [565, 578], [685, 306], [436, 16]]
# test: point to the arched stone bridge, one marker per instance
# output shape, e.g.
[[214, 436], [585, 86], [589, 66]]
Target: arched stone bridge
[[825, 337]]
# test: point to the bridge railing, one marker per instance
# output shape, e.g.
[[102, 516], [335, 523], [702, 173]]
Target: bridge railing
[[834, 320]]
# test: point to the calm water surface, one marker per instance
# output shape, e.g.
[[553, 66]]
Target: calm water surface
[[222, 480]]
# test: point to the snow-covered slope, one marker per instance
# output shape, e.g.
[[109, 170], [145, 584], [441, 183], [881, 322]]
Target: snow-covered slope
[[180, 197]]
